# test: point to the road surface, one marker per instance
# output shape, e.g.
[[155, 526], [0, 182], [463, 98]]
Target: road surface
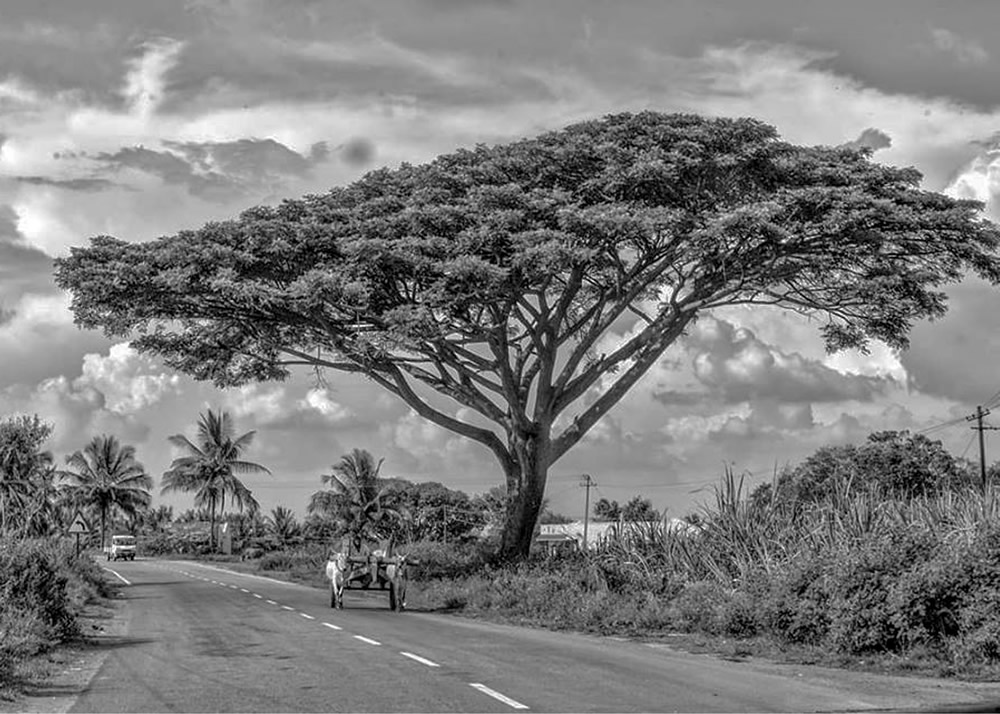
[[196, 638]]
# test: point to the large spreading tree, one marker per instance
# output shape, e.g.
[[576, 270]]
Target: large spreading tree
[[482, 288]]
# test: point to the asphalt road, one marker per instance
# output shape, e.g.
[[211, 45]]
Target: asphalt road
[[200, 639]]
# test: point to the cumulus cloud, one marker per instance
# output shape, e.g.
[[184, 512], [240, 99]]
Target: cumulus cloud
[[979, 179], [357, 152], [146, 78], [962, 49], [318, 400], [261, 403], [78, 411], [217, 171], [872, 139], [737, 366], [23, 268], [128, 380], [87, 185]]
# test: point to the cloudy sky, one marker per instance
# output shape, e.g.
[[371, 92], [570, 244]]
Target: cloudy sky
[[138, 118]]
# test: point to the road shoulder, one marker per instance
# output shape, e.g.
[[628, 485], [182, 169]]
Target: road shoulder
[[67, 671]]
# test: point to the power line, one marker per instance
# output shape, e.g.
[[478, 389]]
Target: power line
[[941, 425], [992, 401], [972, 437]]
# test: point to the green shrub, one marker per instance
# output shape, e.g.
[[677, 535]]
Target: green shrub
[[43, 586], [446, 560], [31, 581], [698, 606], [305, 558]]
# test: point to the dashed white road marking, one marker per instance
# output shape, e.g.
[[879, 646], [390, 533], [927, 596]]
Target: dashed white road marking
[[367, 639], [235, 587], [249, 575], [498, 696], [117, 576], [421, 660], [332, 626], [259, 597], [244, 590], [307, 616], [271, 602], [286, 607]]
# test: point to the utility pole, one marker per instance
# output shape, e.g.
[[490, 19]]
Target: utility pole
[[588, 483], [978, 417]]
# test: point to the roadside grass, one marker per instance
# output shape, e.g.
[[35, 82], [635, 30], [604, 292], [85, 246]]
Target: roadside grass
[[43, 591]]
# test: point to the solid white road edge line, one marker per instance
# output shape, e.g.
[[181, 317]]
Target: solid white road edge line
[[332, 627], [117, 575], [498, 696], [308, 617], [420, 659], [366, 639]]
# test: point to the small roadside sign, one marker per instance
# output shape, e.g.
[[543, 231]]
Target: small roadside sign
[[77, 528], [79, 525]]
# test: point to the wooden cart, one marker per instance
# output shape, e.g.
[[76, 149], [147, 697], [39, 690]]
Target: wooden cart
[[381, 568]]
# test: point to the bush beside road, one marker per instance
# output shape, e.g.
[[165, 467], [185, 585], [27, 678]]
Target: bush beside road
[[43, 590]]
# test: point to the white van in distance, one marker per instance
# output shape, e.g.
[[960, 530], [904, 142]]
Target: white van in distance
[[122, 547]]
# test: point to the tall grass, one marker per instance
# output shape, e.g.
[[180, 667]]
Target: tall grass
[[739, 536], [860, 571]]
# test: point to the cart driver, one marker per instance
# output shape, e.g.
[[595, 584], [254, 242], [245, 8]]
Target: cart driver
[[360, 546]]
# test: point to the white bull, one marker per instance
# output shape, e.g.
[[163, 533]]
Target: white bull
[[336, 571]]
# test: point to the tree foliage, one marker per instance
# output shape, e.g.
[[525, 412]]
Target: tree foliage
[[480, 288], [895, 464], [27, 484], [355, 497], [107, 477], [636, 509], [284, 526]]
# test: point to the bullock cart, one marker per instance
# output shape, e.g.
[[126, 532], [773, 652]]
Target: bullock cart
[[358, 568]]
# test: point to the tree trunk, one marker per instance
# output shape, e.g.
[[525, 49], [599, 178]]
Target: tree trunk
[[104, 513], [525, 476]]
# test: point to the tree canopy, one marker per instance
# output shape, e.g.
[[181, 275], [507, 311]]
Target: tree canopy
[[107, 477], [891, 463], [494, 276]]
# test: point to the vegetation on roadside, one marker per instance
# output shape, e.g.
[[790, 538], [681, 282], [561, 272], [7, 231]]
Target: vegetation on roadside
[[43, 588], [889, 550]]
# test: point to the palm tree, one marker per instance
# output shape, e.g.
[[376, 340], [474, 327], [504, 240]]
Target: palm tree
[[210, 466], [107, 477], [355, 495], [284, 526]]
